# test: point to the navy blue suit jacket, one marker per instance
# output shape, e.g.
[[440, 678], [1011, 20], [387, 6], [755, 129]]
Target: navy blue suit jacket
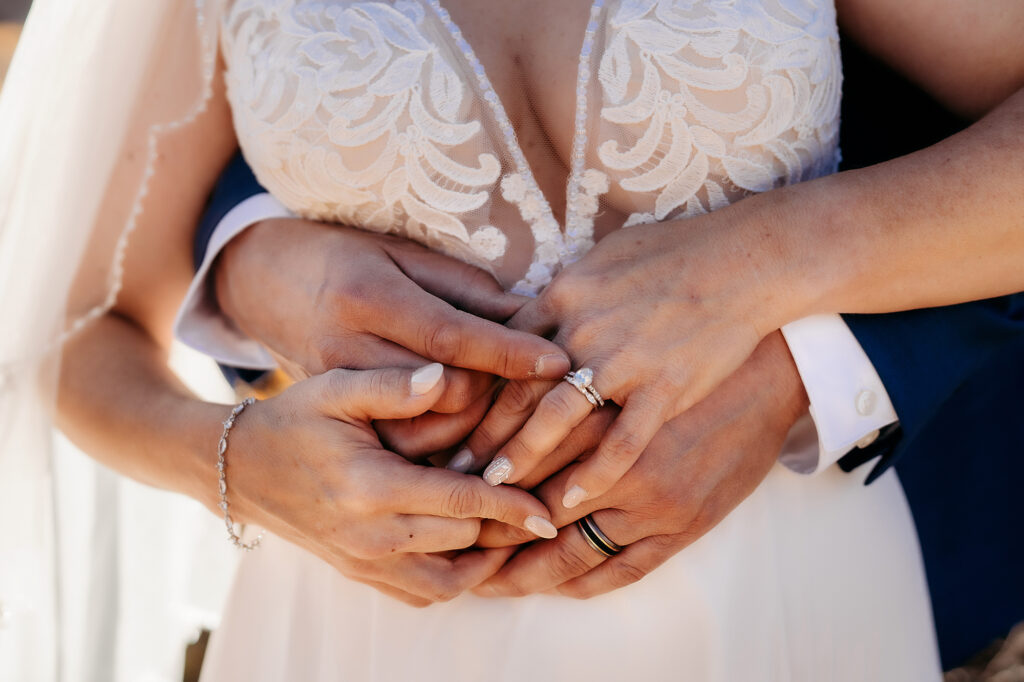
[[956, 378]]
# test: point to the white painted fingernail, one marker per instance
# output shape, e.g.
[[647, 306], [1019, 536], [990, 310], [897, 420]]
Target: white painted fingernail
[[573, 497], [540, 527], [462, 462], [425, 378], [498, 471]]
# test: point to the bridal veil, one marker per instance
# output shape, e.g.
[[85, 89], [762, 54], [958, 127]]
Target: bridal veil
[[91, 88]]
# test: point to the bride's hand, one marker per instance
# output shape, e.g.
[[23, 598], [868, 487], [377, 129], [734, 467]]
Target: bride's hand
[[661, 314], [307, 466], [698, 468]]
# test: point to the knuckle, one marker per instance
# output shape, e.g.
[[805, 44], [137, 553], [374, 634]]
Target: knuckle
[[369, 547], [330, 352], [511, 587], [443, 342], [331, 295], [568, 563], [665, 543], [582, 334], [625, 444], [543, 305], [707, 517], [335, 384], [380, 382], [556, 295], [349, 297], [473, 279], [564, 291], [664, 393], [445, 589], [506, 363], [657, 392], [662, 489], [625, 573], [517, 398], [462, 501], [673, 378], [368, 504], [560, 404]]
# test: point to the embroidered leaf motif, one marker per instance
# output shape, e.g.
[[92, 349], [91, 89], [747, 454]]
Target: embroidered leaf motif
[[446, 91], [401, 74], [395, 27], [439, 221]]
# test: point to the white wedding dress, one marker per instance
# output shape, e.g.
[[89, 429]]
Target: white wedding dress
[[380, 114]]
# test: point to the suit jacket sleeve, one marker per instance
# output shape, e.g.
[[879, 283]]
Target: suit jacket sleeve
[[236, 184]]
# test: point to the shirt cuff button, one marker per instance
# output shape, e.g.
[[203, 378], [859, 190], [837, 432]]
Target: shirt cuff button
[[866, 402]]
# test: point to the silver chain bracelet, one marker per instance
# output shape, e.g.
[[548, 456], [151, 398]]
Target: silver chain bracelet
[[222, 449]]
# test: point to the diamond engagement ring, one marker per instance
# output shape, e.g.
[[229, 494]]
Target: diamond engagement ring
[[583, 379]]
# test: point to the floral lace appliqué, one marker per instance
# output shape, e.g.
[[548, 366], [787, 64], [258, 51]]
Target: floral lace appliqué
[[367, 127], [706, 102]]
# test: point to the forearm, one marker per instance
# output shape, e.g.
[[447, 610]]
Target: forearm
[[120, 403], [936, 227]]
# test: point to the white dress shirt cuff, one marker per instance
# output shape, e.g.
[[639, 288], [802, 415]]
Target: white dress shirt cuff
[[848, 402], [200, 323]]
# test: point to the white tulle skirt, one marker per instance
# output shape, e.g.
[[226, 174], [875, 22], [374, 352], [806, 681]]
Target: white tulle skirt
[[810, 579]]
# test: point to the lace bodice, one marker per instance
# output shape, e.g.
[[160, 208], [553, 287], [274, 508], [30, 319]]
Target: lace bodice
[[380, 115]]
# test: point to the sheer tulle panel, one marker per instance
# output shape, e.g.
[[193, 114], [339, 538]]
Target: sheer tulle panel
[[705, 103]]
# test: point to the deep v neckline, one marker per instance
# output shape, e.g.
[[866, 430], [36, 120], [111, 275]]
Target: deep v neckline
[[575, 237]]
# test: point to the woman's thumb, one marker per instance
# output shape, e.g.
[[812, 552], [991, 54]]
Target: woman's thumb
[[391, 393]]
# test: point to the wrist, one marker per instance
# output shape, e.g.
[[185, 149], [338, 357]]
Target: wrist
[[231, 259], [785, 385], [202, 423], [780, 263], [822, 240]]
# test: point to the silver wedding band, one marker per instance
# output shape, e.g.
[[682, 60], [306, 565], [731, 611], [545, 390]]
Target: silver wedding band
[[583, 381], [596, 538]]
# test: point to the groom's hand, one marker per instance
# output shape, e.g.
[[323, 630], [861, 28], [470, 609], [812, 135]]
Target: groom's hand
[[321, 297], [699, 468]]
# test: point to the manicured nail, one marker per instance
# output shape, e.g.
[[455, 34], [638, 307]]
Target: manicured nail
[[462, 462], [551, 364], [540, 527], [573, 497], [498, 471], [425, 378]]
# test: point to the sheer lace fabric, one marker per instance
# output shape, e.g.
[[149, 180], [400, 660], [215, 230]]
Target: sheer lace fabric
[[380, 115]]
